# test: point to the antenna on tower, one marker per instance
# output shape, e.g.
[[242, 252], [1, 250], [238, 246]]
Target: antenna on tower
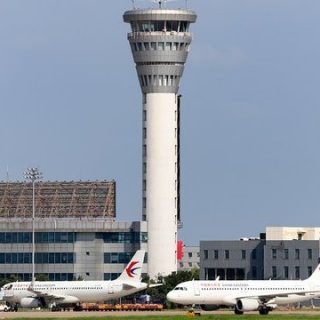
[[161, 3]]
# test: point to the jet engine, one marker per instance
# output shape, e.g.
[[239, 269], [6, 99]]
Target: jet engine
[[247, 305], [69, 299], [30, 303]]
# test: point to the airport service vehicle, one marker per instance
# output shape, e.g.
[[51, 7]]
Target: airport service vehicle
[[4, 307], [72, 293], [246, 295]]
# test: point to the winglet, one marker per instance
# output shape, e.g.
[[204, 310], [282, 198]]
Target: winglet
[[133, 269]]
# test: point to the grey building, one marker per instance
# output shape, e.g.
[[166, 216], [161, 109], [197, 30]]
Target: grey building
[[290, 259], [231, 259], [76, 235], [258, 259], [69, 248], [190, 259]]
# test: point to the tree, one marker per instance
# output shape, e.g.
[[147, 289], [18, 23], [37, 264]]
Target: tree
[[42, 277], [169, 282]]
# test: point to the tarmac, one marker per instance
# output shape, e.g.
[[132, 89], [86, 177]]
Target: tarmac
[[83, 314]]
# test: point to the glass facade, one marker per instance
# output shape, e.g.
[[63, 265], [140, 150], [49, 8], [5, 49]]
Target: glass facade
[[40, 257], [71, 237], [27, 276], [117, 257], [40, 237], [122, 237]]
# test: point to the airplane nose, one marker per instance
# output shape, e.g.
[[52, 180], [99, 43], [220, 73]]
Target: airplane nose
[[171, 296]]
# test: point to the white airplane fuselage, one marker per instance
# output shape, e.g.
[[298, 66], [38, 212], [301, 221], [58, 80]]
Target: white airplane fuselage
[[71, 291], [41, 293], [228, 292]]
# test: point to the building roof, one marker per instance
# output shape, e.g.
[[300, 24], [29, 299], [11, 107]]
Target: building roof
[[58, 199]]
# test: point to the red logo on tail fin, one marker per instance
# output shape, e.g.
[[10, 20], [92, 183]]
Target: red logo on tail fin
[[131, 270]]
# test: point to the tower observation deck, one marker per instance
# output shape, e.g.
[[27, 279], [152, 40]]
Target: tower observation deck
[[160, 42]]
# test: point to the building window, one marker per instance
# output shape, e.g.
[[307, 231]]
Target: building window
[[274, 272], [297, 254], [122, 237], [274, 253], [161, 46], [243, 254], [111, 276], [226, 254], [309, 271], [117, 257], [254, 272], [190, 254], [310, 254], [216, 254], [297, 272], [286, 272], [144, 185], [286, 254], [144, 204], [254, 254], [205, 254], [144, 115]]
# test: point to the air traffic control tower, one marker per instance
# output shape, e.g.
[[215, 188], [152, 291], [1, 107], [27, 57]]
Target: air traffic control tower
[[160, 42]]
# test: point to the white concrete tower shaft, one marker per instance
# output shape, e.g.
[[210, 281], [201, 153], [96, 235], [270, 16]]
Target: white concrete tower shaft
[[160, 42]]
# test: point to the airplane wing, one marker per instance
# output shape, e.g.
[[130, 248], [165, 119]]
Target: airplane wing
[[267, 297], [134, 285], [47, 295], [140, 285]]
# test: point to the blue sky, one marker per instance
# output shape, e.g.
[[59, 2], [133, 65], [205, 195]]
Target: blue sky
[[70, 103]]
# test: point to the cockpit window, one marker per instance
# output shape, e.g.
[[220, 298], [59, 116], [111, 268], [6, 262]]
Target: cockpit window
[[8, 286], [180, 288]]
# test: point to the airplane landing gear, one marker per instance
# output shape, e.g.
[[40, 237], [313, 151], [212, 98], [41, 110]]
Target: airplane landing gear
[[237, 311], [264, 310]]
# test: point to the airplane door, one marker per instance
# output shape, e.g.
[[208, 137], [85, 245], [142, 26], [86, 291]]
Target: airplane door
[[196, 288], [110, 289]]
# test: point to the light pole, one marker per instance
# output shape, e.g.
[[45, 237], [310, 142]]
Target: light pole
[[33, 174]]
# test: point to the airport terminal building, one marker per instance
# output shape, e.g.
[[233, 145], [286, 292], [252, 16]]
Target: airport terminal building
[[280, 253], [76, 234]]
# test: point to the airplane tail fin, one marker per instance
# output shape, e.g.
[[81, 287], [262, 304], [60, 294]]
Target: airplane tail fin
[[315, 276], [133, 269]]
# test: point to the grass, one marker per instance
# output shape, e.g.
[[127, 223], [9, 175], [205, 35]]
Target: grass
[[185, 317]]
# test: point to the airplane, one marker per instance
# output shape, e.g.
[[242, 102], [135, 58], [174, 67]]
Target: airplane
[[246, 295], [55, 294]]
